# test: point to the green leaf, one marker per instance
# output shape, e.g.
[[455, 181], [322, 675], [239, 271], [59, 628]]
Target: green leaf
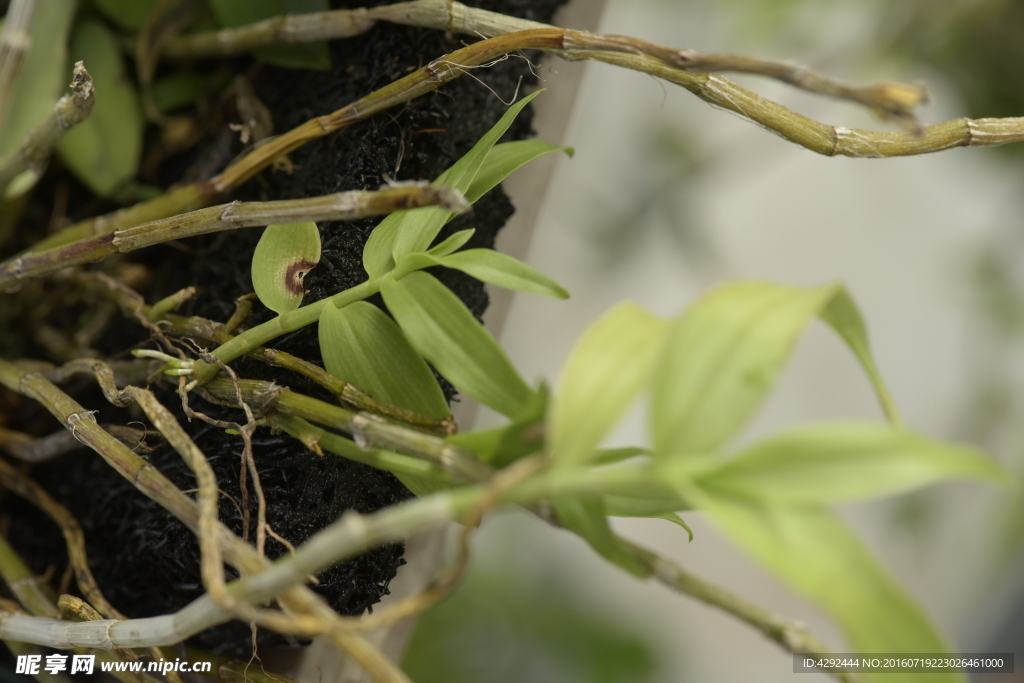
[[235, 13], [652, 508], [103, 151], [284, 255], [816, 553], [502, 446], [404, 232], [501, 270], [361, 345], [506, 158], [452, 244], [129, 14], [45, 73], [177, 91], [725, 353], [606, 370], [845, 462], [586, 516], [443, 330]]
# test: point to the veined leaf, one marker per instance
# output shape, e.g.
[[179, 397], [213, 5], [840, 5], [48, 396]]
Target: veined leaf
[[845, 462], [452, 244], [284, 255], [651, 508], [361, 345], [401, 232], [605, 372], [504, 159], [487, 266], [816, 553], [443, 330], [235, 13], [586, 516], [103, 151], [725, 353]]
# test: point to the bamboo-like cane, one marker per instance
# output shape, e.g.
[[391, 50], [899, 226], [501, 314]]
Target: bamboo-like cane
[[35, 149], [332, 207]]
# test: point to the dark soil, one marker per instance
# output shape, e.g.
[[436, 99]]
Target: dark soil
[[145, 561]]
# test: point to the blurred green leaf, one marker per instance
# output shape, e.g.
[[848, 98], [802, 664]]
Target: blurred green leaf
[[725, 353], [606, 370], [847, 461], [586, 516], [404, 232], [502, 160], [361, 345], [103, 151], [653, 508], [45, 74], [128, 14], [502, 446], [443, 330], [509, 623], [284, 255], [452, 244], [234, 13], [177, 91], [816, 553]]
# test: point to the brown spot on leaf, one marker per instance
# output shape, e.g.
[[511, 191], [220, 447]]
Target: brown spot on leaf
[[294, 275]]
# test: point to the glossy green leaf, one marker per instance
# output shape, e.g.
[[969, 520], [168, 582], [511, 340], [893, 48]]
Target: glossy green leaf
[[502, 270], [443, 330], [103, 151], [401, 232], [726, 352], [506, 158], [284, 255], [45, 74], [652, 508], [586, 516], [501, 446], [816, 553], [452, 244], [129, 14], [847, 461], [361, 345], [234, 13], [606, 370]]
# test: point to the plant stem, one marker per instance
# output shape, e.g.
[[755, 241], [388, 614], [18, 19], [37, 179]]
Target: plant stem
[[332, 207], [35, 149]]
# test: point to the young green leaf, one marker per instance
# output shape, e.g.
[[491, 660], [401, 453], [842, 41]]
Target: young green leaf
[[847, 461], [812, 550], [361, 345], [284, 255], [501, 270], [586, 516], [504, 159], [651, 508], [610, 364], [235, 13], [452, 244], [103, 151], [725, 353], [443, 330]]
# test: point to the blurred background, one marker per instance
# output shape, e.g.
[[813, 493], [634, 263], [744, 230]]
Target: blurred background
[[667, 197]]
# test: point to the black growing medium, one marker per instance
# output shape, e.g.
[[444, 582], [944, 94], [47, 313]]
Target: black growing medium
[[146, 562]]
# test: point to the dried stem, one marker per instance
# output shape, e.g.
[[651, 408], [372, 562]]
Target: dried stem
[[30, 449], [14, 45], [34, 151], [340, 206]]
